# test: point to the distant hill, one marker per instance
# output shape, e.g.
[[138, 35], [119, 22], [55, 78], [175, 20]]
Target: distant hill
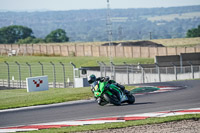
[[127, 24]]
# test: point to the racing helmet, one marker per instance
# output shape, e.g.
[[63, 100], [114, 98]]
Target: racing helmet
[[91, 79]]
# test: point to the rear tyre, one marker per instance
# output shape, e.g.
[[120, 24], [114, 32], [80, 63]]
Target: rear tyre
[[131, 99], [112, 99]]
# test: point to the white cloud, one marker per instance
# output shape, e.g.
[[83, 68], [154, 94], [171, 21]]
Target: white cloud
[[89, 4]]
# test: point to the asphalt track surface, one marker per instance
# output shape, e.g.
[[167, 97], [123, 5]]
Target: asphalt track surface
[[179, 99]]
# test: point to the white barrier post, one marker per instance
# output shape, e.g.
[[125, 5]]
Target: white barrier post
[[54, 75], [64, 82], [8, 73], [19, 71]]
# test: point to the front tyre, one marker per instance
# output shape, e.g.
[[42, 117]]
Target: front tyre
[[131, 99], [102, 101], [112, 99]]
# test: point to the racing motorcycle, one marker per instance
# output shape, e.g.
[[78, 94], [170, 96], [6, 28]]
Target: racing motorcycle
[[105, 93]]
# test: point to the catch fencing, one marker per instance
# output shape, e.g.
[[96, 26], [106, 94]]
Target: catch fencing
[[14, 74], [62, 75], [146, 73]]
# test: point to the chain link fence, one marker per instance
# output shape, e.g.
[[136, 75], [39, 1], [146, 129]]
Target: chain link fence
[[14, 74], [146, 73], [62, 75]]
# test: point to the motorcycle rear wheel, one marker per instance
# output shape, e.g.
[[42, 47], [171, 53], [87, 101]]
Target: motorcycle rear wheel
[[131, 99]]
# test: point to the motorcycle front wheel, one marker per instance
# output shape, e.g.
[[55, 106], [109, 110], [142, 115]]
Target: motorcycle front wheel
[[102, 101], [112, 99]]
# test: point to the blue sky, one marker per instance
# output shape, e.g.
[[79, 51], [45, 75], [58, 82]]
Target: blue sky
[[21, 5]]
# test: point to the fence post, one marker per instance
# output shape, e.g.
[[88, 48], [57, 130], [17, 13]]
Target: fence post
[[74, 67], [42, 68], [63, 74], [113, 73], [104, 68], [192, 69], [8, 73], [132, 71], [127, 71], [181, 63], [100, 65], [30, 73], [54, 75], [175, 70], [19, 71], [143, 79], [158, 68]]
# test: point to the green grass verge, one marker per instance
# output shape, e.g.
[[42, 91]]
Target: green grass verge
[[21, 98], [78, 61], [119, 125]]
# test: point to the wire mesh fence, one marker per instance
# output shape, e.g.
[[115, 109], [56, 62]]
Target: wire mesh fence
[[14, 74], [146, 73], [62, 75]]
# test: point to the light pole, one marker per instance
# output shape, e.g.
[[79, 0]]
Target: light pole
[[109, 28]]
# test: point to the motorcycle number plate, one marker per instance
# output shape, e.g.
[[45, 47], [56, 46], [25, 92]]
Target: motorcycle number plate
[[96, 88]]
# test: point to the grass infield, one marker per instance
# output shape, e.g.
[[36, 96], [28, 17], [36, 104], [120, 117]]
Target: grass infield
[[78, 61]]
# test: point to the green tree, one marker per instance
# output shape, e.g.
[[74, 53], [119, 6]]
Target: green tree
[[12, 34], [30, 40], [1, 37], [195, 32], [58, 35]]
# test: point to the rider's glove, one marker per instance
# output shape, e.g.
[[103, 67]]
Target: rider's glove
[[107, 86], [95, 98], [92, 90]]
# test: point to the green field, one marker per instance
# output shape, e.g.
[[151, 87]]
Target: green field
[[78, 61], [172, 17], [179, 42]]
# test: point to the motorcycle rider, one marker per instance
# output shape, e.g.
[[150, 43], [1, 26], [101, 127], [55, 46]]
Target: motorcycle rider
[[93, 81]]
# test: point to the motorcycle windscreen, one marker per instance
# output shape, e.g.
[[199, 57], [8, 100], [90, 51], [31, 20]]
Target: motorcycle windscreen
[[102, 85]]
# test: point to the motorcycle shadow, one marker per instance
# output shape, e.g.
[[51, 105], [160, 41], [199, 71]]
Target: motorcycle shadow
[[126, 104], [142, 103]]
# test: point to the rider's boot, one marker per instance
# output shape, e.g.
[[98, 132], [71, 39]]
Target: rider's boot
[[126, 91], [123, 88]]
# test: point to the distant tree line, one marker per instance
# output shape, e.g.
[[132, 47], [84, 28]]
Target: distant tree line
[[24, 35], [194, 32], [91, 25]]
